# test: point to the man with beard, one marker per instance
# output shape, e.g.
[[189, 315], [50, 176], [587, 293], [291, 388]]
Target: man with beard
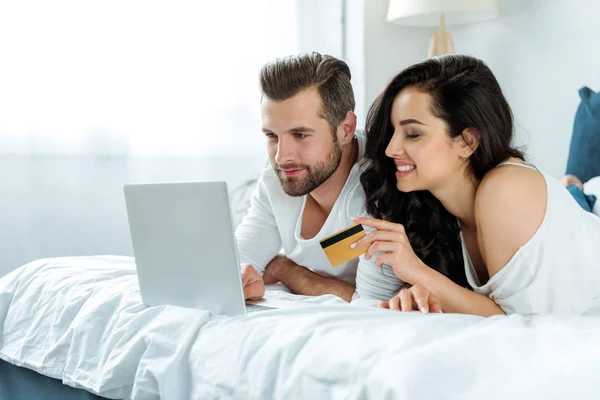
[[313, 188]]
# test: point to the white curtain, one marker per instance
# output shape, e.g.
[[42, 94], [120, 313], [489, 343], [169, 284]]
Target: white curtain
[[137, 77], [95, 94]]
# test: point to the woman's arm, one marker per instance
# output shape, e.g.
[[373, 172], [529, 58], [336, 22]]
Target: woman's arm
[[510, 206], [454, 298], [390, 245]]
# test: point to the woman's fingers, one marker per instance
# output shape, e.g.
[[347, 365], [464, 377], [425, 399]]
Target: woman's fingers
[[380, 236], [379, 224], [406, 300], [415, 298], [380, 247], [434, 304], [421, 298], [395, 303]]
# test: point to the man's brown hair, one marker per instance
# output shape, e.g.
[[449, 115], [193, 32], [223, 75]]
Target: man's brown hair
[[285, 77]]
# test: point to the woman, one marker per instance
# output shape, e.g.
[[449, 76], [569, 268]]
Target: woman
[[451, 196]]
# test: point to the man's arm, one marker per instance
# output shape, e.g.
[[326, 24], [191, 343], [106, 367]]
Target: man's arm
[[257, 236], [301, 280]]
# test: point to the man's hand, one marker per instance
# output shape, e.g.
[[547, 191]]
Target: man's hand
[[271, 271], [254, 286], [301, 280]]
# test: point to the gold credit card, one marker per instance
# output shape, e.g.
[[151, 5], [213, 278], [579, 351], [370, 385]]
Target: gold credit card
[[337, 246]]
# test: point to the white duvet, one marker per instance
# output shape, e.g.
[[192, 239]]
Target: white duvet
[[80, 320]]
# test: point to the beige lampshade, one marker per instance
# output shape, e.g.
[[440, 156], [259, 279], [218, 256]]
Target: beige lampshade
[[430, 13]]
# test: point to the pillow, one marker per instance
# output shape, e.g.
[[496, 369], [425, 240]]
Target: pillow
[[240, 200], [584, 151]]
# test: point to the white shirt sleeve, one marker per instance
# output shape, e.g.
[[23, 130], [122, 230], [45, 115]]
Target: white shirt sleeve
[[372, 282], [377, 283], [257, 236]]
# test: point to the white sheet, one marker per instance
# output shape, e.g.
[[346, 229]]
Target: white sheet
[[81, 320], [593, 187]]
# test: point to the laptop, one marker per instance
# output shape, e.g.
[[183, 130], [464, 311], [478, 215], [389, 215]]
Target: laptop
[[185, 250]]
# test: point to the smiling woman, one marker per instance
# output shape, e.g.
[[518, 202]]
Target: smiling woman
[[456, 206]]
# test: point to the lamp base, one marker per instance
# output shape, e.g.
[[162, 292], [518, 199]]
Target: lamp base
[[441, 42]]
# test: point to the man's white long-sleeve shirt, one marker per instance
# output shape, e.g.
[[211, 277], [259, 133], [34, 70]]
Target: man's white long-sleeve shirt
[[274, 222]]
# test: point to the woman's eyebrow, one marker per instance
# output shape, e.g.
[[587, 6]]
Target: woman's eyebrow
[[410, 121]]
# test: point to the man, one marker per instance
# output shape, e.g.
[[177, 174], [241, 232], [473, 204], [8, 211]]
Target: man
[[313, 188]]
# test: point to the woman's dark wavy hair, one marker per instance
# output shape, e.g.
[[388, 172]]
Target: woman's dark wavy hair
[[466, 95]]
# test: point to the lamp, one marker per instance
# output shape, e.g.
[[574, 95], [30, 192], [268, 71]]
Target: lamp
[[441, 12]]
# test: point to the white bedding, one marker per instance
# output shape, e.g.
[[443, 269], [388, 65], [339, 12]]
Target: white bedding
[[80, 320]]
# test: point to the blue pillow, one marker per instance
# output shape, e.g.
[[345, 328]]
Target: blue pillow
[[584, 152]]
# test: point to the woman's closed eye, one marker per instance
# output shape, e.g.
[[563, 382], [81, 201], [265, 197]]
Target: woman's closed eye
[[412, 135]]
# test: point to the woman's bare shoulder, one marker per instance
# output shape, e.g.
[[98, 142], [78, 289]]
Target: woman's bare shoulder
[[510, 205]]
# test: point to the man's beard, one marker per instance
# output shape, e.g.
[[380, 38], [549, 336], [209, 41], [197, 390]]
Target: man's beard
[[315, 175]]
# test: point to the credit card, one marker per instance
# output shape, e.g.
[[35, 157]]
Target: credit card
[[337, 246]]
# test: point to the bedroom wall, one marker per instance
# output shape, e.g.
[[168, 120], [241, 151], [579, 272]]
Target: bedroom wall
[[377, 50], [542, 52], [60, 205]]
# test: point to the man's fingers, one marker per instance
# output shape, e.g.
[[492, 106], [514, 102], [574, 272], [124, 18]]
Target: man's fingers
[[246, 273], [395, 303], [249, 274], [254, 291], [252, 282]]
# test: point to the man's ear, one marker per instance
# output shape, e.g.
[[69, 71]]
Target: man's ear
[[467, 142], [348, 126]]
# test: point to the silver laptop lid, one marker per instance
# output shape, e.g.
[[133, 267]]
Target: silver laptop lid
[[184, 245]]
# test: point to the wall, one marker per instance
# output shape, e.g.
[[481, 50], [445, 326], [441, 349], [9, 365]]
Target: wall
[[389, 48], [58, 205], [542, 52], [377, 50], [69, 201]]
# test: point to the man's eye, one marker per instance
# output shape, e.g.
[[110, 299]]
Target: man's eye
[[270, 135], [301, 135]]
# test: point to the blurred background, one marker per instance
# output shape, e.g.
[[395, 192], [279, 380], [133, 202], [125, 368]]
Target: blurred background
[[96, 94]]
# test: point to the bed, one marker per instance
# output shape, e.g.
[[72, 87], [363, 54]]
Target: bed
[[80, 321], [22, 383]]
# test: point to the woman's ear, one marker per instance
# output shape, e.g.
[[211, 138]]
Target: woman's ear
[[467, 142]]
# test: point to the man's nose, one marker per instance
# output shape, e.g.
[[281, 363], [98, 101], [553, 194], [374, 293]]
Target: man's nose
[[285, 152]]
